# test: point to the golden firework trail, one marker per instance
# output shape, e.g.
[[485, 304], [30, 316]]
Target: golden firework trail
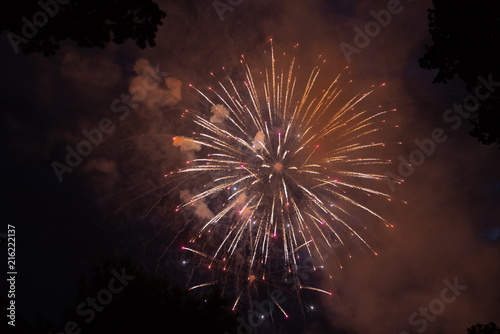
[[286, 169]]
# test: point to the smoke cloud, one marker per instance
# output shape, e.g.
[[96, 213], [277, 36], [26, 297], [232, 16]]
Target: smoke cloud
[[219, 114], [186, 145], [258, 139], [201, 210], [153, 88]]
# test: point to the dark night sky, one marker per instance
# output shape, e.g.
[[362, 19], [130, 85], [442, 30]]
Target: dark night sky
[[449, 228]]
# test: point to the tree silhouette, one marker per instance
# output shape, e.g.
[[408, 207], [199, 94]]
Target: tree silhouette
[[490, 328], [40, 26], [465, 36], [146, 304]]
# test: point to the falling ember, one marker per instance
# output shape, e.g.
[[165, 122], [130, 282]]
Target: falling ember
[[293, 166], [202, 285], [281, 309], [316, 289]]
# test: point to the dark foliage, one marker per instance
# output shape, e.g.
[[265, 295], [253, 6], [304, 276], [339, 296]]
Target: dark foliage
[[490, 328], [40, 26], [465, 36], [147, 304]]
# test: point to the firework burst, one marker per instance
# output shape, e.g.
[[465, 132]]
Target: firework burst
[[285, 169]]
